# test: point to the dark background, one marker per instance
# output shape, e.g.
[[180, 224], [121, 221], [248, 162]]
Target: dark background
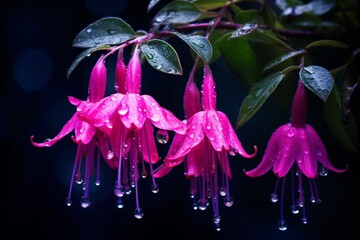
[[35, 54]]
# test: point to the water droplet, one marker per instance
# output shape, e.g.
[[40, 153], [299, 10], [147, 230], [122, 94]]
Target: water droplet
[[291, 133], [68, 202], [274, 197], [323, 171], [294, 209], [228, 201], [78, 178], [300, 202], [282, 226], [216, 219], [222, 191], [124, 109], [155, 117], [158, 67], [88, 30], [202, 204], [143, 174], [139, 213], [304, 220], [155, 188], [97, 182], [208, 126], [127, 190], [312, 199], [119, 191], [82, 129], [111, 31], [109, 155], [232, 152], [162, 136], [119, 203], [85, 202], [194, 205], [217, 227]]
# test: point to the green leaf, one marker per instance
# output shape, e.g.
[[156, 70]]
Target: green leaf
[[84, 54], [318, 80], [210, 5], [178, 12], [162, 56], [257, 96], [106, 31], [245, 16], [345, 133], [282, 59], [269, 38], [284, 4], [327, 43], [317, 7], [199, 44], [240, 57]]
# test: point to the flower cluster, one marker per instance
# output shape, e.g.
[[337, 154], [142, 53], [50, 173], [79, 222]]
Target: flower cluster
[[296, 146]]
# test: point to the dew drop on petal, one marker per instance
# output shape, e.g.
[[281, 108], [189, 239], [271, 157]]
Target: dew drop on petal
[[291, 133], [228, 201], [282, 226], [155, 117], [109, 155], [162, 136], [232, 152], [123, 109], [274, 197], [85, 202], [138, 213]]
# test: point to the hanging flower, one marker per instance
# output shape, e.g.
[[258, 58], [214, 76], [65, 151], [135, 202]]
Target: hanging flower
[[204, 148], [87, 137], [297, 146], [128, 120]]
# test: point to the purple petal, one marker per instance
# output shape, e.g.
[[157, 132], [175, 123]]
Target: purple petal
[[68, 127], [161, 171], [148, 145], [231, 136], [162, 118], [320, 149], [306, 153], [213, 127], [132, 111], [84, 132], [194, 135], [270, 155], [195, 160]]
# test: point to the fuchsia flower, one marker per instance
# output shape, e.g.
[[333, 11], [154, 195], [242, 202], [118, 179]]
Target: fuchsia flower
[[295, 142], [87, 136], [205, 147], [128, 120]]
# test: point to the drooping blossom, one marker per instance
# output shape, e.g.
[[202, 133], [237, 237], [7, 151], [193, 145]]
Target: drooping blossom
[[87, 137], [204, 148], [295, 146], [129, 120]]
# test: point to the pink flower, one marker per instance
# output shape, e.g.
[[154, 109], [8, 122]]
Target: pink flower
[[86, 136], [295, 142], [128, 120], [205, 147]]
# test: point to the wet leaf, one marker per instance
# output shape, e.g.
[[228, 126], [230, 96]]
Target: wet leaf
[[244, 30], [210, 5], [317, 7], [282, 59], [327, 43], [162, 56], [106, 31], [240, 57], [269, 38], [178, 12], [199, 44], [318, 80], [245, 16], [345, 133], [82, 55], [152, 3], [257, 96]]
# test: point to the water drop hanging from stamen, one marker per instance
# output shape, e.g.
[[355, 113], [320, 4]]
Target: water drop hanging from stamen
[[162, 136], [274, 197], [202, 204], [222, 191], [119, 191], [68, 202], [138, 213], [228, 201], [323, 171], [119, 203], [216, 219], [304, 220], [78, 178], [282, 226], [295, 209], [217, 227], [155, 188], [85, 202]]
